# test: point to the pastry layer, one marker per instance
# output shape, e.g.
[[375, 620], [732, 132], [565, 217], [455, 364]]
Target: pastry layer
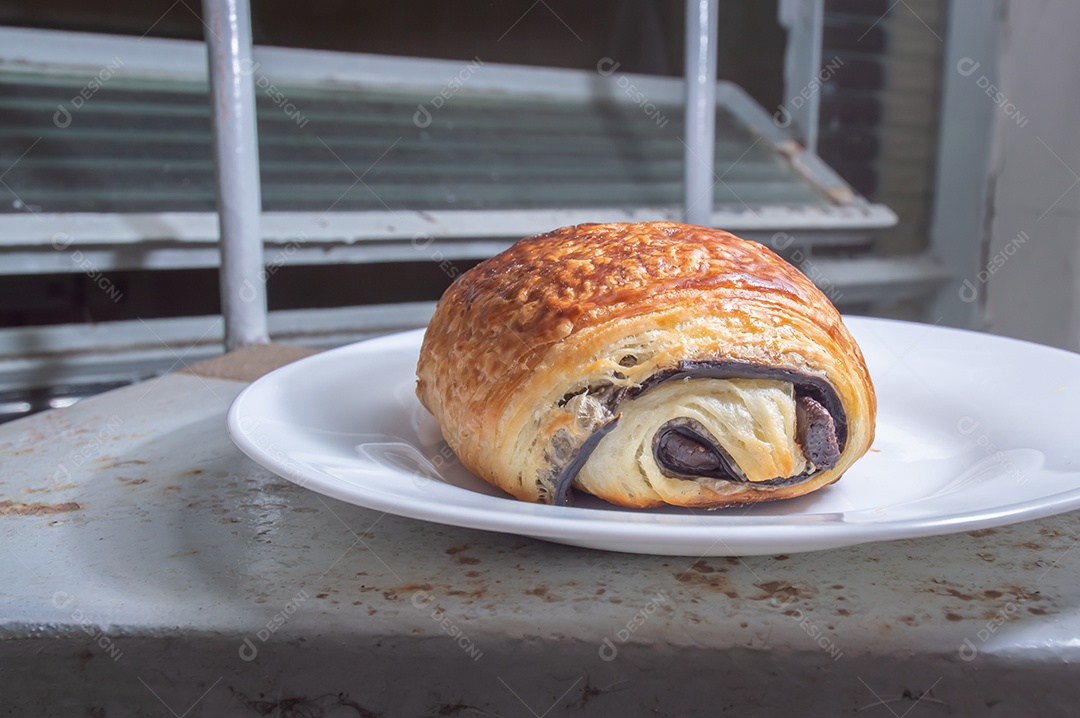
[[721, 434]]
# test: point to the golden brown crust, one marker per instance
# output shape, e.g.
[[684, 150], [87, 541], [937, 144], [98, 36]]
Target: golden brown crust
[[516, 334]]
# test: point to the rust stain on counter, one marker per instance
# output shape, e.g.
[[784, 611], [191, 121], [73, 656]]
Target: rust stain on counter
[[120, 464], [773, 590], [131, 482], [50, 489], [18, 508], [701, 574]]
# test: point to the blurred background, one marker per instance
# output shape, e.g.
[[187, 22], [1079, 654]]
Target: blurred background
[[917, 159]]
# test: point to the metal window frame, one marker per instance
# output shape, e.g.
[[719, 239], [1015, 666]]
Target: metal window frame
[[137, 349], [38, 355], [804, 21], [64, 52], [960, 229], [189, 239]]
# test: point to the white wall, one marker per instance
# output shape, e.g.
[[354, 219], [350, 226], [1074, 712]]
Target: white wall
[[1032, 287]]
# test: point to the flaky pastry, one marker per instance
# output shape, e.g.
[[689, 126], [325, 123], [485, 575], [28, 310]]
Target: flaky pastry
[[647, 364]]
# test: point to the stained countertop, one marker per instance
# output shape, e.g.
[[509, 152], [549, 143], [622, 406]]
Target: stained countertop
[[150, 568]]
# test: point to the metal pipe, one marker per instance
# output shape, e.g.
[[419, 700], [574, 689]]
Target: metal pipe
[[236, 155], [805, 22], [701, 34]]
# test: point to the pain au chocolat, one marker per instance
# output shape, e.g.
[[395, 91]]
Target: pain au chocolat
[[647, 364]]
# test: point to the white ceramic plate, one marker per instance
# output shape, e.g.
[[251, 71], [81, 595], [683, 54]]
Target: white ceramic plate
[[973, 431]]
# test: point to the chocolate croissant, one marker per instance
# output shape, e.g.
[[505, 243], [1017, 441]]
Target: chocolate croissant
[[647, 364]]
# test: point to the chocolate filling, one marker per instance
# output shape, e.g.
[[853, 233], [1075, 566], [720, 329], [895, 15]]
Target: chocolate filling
[[570, 471], [816, 433], [684, 448]]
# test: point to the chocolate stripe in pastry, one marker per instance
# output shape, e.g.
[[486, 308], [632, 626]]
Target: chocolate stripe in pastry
[[648, 364]]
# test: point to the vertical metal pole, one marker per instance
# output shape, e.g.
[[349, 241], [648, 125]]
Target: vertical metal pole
[[805, 23], [961, 227], [236, 152], [701, 34]]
